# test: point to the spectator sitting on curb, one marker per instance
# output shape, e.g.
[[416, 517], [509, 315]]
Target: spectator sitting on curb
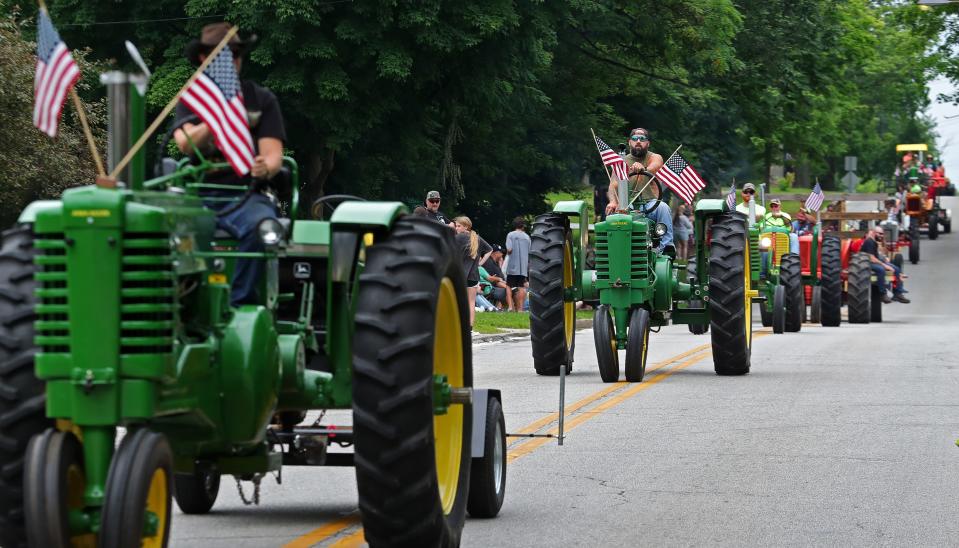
[[517, 269], [491, 273]]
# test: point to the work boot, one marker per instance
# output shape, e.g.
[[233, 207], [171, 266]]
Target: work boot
[[901, 299], [886, 299]]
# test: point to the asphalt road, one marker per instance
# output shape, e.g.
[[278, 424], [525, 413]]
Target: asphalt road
[[839, 436]]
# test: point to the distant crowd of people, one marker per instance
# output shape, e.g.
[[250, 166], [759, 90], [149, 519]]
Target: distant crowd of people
[[497, 276]]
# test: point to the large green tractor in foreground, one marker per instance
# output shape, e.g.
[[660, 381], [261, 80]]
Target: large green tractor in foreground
[[638, 287], [116, 313]]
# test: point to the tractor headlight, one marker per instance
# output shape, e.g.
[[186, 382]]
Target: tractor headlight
[[765, 243], [659, 230], [271, 232]]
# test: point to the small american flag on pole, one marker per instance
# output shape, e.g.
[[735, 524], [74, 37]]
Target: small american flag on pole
[[55, 75], [680, 176], [731, 198], [611, 158], [815, 199], [215, 96]]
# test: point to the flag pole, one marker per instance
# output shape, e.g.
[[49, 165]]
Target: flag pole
[[654, 176], [81, 113], [608, 174], [166, 110]]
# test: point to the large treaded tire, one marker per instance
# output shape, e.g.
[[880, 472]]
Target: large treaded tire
[[815, 304], [779, 309], [913, 244], [53, 486], [22, 396], [947, 226], [550, 249], [765, 316], [488, 476], [604, 338], [933, 226], [790, 275], [858, 288], [637, 345], [831, 313], [729, 301], [410, 279]]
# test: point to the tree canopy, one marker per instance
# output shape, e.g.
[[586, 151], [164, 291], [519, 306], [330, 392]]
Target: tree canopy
[[492, 102]]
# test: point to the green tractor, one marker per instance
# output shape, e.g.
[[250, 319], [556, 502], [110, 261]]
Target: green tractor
[[117, 319], [638, 287], [778, 278]]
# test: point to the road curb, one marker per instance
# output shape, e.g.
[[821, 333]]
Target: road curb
[[518, 333]]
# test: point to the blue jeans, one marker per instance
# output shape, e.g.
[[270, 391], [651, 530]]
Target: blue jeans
[[241, 224], [662, 214], [880, 271]]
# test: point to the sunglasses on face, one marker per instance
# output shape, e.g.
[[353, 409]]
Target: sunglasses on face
[[750, 192], [776, 206], [640, 138], [434, 200]]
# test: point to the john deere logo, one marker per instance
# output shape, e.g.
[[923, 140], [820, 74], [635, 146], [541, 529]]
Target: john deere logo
[[90, 213], [619, 223]]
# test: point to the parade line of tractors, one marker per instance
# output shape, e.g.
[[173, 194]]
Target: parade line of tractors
[[635, 287]]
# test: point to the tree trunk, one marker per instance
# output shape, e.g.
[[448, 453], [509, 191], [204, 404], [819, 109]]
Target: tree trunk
[[319, 166]]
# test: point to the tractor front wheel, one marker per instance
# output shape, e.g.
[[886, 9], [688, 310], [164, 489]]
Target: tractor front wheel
[[488, 475], [913, 242], [779, 309], [53, 485], [604, 335], [552, 320], [637, 345], [815, 304], [831, 308], [933, 225], [411, 343], [730, 305], [139, 484], [790, 271], [765, 316], [22, 394], [859, 288], [196, 493]]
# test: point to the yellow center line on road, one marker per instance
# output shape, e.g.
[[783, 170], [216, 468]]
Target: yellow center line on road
[[356, 538]]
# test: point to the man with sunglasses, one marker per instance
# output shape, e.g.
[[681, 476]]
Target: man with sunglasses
[[433, 208], [778, 217], [638, 160], [749, 191], [269, 134]]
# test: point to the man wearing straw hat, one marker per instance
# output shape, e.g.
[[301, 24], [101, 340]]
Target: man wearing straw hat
[[266, 126]]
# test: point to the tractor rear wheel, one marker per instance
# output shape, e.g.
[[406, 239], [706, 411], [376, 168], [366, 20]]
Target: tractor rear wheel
[[933, 225], [604, 335], [859, 288], [196, 493], [815, 304], [779, 309], [831, 293], [412, 333], [552, 320], [730, 306], [913, 243], [53, 485], [488, 474], [23, 399], [140, 480], [695, 329], [875, 306], [637, 345], [790, 275]]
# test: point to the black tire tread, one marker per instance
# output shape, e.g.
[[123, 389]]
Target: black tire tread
[[858, 288], [546, 319], [790, 275], [484, 502], [831, 283], [731, 351]]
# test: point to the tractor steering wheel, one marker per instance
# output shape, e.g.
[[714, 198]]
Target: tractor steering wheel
[[319, 207], [642, 203]]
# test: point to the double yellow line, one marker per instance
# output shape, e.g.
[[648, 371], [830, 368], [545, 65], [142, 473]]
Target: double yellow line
[[575, 415]]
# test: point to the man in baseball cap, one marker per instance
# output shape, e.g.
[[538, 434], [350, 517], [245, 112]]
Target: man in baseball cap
[[433, 208], [749, 192]]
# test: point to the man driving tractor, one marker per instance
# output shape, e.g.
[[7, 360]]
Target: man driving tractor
[[640, 159]]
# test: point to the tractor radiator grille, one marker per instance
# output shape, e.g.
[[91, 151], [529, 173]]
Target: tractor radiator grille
[[602, 256], [147, 294], [52, 323], [640, 256], [779, 245], [753, 249]]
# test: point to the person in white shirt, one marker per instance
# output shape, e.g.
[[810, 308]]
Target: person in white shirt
[[749, 191]]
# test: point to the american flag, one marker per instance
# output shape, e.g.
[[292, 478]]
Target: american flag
[[815, 199], [56, 74], [215, 96], [611, 158], [680, 176], [731, 198]]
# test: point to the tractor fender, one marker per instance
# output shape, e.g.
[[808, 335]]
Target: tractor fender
[[366, 216], [481, 397], [29, 214]]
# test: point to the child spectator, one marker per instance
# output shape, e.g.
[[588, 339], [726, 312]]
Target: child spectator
[[517, 269]]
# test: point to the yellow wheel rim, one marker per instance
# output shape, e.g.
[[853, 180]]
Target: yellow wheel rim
[[448, 361], [157, 499], [569, 308], [747, 296]]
